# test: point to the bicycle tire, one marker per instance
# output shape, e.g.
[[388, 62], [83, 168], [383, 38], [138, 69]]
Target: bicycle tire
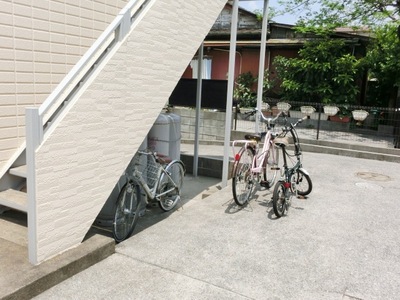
[[242, 179], [271, 168], [126, 212], [279, 199], [303, 183], [177, 171]]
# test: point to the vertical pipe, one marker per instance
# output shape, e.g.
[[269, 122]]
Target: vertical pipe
[[319, 119], [261, 66], [229, 97], [198, 108], [34, 136]]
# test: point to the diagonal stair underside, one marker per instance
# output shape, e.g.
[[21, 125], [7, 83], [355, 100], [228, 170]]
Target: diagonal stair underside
[[81, 157]]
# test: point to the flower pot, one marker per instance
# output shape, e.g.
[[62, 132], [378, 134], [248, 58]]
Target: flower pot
[[344, 119], [359, 115], [331, 110], [283, 106], [307, 110]]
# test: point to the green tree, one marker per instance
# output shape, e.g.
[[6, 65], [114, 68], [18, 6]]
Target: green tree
[[383, 62], [325, 71], [382, 20], [243, 92], [337, 13]]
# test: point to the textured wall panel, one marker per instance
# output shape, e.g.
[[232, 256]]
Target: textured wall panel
[[79, 164], [34, 49]]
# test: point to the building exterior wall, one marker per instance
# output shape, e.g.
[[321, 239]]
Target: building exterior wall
[[40, 41], [78, 165]]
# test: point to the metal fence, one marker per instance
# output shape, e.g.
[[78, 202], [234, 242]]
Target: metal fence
[[375, 126]]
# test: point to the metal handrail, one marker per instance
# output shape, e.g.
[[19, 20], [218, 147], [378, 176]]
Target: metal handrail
[[115, 32], [39, 118]]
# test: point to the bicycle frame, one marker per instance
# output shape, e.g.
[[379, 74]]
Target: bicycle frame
[[152, 192], [288, 172], [259, 158]]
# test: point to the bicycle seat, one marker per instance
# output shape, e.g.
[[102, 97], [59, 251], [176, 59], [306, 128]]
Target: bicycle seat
[[281, 141], [163, 159], [255, 137]]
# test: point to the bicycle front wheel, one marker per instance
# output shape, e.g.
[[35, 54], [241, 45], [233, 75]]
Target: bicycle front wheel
[[126, 212], [176, 170], [303, 183], [242, 179], [279, 199], [271, 165]]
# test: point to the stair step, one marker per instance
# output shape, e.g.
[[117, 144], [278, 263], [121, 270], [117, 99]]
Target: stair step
[[350, 152], [14, 199], [19, 171]]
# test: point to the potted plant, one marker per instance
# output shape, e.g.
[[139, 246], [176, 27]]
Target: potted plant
[[344, 116]]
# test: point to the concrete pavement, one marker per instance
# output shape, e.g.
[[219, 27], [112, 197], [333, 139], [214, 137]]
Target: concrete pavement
[[21, 280], [339, 243]]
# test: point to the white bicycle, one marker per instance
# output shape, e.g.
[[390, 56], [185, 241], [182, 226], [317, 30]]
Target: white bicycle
[[161, 181]]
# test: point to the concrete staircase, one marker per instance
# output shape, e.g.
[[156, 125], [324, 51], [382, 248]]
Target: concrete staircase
[[15, 198]]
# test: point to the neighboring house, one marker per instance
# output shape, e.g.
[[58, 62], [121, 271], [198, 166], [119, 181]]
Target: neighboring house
[[282, 40]]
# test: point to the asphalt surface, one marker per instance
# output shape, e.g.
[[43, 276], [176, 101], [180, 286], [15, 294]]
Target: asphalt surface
[[342, 242]]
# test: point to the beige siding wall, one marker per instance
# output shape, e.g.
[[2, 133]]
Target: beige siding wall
[[79, 164], [40, 41]]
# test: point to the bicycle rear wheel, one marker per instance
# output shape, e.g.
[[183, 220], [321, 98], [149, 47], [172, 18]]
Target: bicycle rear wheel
[[126, 212], [176, 170], [271, 165], [303, 183], [242, 178], [279, 199]]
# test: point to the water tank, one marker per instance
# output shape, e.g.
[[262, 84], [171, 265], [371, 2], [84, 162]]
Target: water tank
[[165, 135]]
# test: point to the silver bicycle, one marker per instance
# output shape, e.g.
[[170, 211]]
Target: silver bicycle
[[159, 178]]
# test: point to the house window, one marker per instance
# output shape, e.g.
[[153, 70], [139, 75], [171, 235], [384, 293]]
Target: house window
[[206, 67]]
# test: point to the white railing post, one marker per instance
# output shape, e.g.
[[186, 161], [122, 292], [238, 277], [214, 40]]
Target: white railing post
[[34, 136], [125, 24]]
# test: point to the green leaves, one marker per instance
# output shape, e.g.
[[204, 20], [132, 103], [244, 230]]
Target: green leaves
[[325, 72]]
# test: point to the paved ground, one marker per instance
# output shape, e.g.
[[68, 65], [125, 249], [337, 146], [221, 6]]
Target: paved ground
[[21, 280], [340, 243]]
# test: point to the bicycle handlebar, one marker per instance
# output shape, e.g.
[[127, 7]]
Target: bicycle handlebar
[[267, 120]]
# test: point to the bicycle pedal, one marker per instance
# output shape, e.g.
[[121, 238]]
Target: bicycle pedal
[[276, 168]]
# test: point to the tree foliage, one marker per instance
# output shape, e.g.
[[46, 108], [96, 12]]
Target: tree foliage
[[380, 17], [325, 71], [383, 62], [337, 13]]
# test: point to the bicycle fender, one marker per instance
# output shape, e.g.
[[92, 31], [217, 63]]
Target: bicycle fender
[[304, 171]]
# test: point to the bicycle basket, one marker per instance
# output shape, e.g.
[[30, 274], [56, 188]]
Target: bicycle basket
[[148, 167]]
